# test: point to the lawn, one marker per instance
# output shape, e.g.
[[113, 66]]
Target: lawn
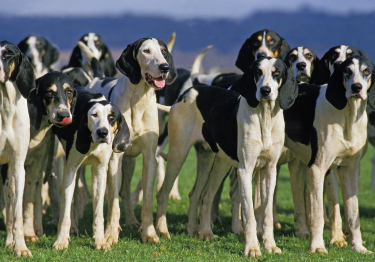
[[227, 246]]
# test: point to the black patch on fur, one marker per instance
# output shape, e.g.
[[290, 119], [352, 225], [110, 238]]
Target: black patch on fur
[[225, 80], [110, 93], [122, 140], [107, 80], [164, 135], [96, 68], [299, 118], [172, 70], [371, 118], [219, 110], [4, 172], [78, 76], [314, 146], [335, 93], [288, 90]]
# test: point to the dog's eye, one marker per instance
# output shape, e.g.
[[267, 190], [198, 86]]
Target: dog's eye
[[308, 55], [293, 57], [259, 72], [69, 92], [271, 42], [348, 71], [97, 42], [366, 72], [334, 55], [111, 116], [50, 93], [276, 73], [94, 115], [163, 51], [147, 51]]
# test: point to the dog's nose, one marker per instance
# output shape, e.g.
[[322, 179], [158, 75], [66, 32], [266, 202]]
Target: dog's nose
[[260, 55], [63, 114], [102, 132], [356, 88], [164, 68], [265, 90], [337, 64], [301, 66]]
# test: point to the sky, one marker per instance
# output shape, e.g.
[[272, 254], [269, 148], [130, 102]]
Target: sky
[[178, 9]]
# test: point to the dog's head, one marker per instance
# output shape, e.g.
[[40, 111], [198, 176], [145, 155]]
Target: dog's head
[[264, 43], [269, 78], [54, 96], [103, 123], [305, 64], [150, 60], [40, 52], [16, 68], [353, 79]]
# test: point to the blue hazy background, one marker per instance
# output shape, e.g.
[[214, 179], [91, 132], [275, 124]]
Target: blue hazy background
[[319, 25]]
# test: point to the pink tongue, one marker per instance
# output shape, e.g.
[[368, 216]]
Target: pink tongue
[[65, 121], [159, 83]]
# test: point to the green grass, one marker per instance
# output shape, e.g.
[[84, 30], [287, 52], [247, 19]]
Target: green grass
[[226, 247]]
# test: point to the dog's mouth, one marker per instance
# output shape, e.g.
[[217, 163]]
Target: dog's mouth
[[357, 95], [154, 82], [66, 121], [301, 76]]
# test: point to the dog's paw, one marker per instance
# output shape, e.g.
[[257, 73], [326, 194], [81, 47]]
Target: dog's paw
[[101, 245], [22, 251], [175, 196], [206, 234], [31, 239], [149, 236], [361, 249], [338, 241], [61, 244], [321, 250], [277, 224], [252, 250], [192, 230], [111, 234]]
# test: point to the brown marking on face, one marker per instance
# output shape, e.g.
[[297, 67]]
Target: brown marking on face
[[114, 127], [66, 85], [53, 88], [260, 38], [12, 69], [274, 54], [269, 38]]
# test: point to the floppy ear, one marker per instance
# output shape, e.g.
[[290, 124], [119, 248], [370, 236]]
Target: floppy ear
[[23, 46], [51, 55], [74, 100], [247, 86], [172, 70], [122, 139], [285, 48], [83, 140], [24, 76], [128, 65], [36, 110], [315, 74], [76, 58], [335, 93], [371, 92], [288, 91], [108, 63], [324, 73], [245, 56]]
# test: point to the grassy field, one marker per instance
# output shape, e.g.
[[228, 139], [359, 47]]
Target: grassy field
[[226, 247]]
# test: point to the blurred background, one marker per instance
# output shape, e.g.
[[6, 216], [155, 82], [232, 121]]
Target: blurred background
[[318, 24]]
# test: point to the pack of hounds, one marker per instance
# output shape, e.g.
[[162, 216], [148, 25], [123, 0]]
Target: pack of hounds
[[288, 107]]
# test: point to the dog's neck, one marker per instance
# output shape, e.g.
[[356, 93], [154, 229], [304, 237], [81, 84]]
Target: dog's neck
[[37, 136], [9, 95], [354, 111], [267, 111]]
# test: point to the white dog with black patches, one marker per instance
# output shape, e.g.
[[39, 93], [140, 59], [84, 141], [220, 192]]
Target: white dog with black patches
[[147, 65], [17, 80], [245, 131], [97, 128], [327, 129]]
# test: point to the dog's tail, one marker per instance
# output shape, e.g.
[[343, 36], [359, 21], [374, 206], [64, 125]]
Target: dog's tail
[[163, 108], [91, 60], [171, 41], [197, 64]]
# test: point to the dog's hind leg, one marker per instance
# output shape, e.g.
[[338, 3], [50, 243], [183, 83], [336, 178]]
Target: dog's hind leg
[[235, 203], [216, 177], [275, 221], [128, 166], [205, 159]]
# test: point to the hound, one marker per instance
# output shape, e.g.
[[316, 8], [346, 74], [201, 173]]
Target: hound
[[245, 131], [51, 103], [41, 53], [326, 128], [100, 50], [97, 128], [147, 66], [17, 80]]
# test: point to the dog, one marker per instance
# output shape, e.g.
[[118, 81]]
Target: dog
[[41, 53], [51, 103], [147, 66], [17, 80], [97, 128], [326, 128], [244, 130], [100, 50], [78, 75]]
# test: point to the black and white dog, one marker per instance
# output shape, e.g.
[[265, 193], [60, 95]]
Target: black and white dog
[[41, 53], [100, 50], [51, 103], [244, 130], [17, 80], [327, 129], [97, 129]]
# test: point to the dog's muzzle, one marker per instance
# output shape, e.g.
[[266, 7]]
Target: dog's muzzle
[[265, 91], [356, 91], [63, 118]]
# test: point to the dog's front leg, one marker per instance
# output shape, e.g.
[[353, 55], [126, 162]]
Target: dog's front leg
[[245, 174], [298, 182], [316, 181], [331, 185], [113, 218], [17, 185], [99, 179], [69, 177], [268, 176], [349, 182], [235, 200]]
